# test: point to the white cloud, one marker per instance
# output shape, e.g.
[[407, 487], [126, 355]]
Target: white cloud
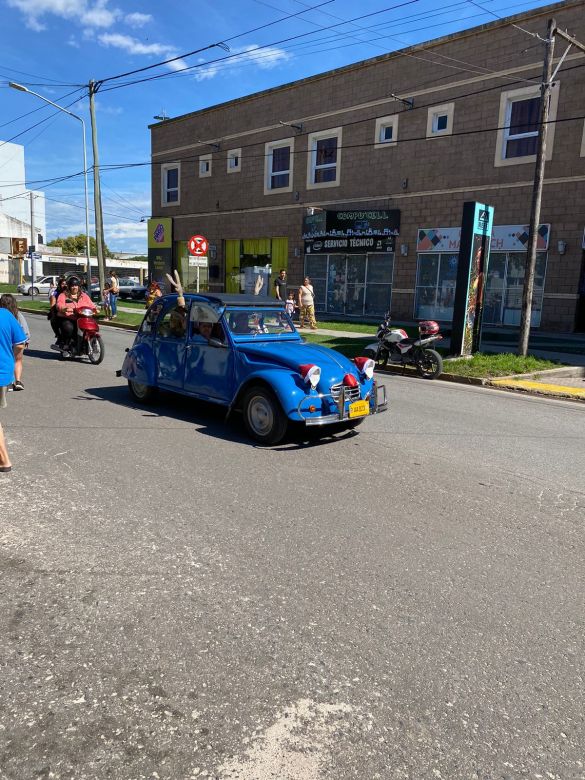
[[134, 46], [137, 19], [266, 58], [96, 14]]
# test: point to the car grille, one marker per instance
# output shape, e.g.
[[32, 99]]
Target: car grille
[[349, 393]]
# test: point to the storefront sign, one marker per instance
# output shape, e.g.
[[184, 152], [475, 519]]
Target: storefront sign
[[472, 268], [19, 246], [505, 238], [160, 250], [378, 223], [344, 246]]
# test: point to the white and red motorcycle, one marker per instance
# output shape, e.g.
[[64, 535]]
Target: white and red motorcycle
[[394, 345]]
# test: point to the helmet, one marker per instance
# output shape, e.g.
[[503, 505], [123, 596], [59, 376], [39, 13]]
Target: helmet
[[428, 328], [72, 281]]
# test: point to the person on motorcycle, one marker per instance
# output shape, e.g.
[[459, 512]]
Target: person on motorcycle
[[68, 304]]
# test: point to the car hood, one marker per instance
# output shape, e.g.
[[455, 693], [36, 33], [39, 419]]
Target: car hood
[[292, 354]]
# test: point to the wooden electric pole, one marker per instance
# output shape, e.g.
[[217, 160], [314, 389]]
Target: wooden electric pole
[[546, 89], [97, 195]]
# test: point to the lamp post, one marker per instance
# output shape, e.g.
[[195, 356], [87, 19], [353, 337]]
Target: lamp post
[[20, 88]]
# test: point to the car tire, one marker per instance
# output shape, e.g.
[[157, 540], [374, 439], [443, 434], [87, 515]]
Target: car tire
[[264, 418], [142, 394], [34, 290]]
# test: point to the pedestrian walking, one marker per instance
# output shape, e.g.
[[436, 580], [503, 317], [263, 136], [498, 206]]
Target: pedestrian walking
[[307, 304], [114, 292], [280, 285], [8, 301], [12, 341]]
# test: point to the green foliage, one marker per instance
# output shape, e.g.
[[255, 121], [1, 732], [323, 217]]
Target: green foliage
[[75, 245], [505, 364]]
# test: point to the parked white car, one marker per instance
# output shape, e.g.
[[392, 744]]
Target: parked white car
[[43, 284]]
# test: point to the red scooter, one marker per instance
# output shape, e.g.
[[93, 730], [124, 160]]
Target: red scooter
[[86, 340]]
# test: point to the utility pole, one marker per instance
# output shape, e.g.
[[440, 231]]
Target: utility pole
[[545, 92], [544, 113], [97, 195], [32, 248]]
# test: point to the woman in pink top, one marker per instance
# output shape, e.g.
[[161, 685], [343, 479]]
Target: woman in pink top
[[68, 304]]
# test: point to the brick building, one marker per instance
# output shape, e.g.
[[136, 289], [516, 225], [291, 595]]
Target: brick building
[[357, 177]]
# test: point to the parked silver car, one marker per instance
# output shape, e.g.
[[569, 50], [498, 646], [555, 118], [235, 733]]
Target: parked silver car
[[44, 284]]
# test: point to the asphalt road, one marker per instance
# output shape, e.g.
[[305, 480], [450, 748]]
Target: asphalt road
[[405, 601]]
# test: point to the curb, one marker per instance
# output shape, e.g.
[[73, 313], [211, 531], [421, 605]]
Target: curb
[[516, 383]]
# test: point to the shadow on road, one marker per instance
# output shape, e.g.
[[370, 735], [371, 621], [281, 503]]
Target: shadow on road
[[42, 354], [211, 418]]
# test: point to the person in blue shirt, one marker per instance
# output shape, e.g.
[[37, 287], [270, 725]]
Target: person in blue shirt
[[12, 341]]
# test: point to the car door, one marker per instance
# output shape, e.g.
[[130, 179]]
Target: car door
[[209, 367], [170, 344]]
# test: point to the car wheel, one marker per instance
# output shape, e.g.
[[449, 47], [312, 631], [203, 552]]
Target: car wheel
[[141, 393], [34, 291], [263, 416]]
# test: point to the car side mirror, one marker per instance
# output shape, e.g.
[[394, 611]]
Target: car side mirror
[[213, 342]]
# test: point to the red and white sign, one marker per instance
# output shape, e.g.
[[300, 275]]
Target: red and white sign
[[198, 246]]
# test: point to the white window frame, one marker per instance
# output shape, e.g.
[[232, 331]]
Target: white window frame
[[506, 100], [334, 132], [381, 124], [268, 173], [205, 158], [163, 184], [448, 110], [232, 155]]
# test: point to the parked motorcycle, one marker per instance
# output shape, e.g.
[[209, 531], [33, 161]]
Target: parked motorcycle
[[86, 341], [394, 345]]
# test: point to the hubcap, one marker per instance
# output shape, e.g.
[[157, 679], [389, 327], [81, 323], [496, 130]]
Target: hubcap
[[260, 415], [139, 390]]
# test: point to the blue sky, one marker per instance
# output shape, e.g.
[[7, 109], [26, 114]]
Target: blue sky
[[53, 45]]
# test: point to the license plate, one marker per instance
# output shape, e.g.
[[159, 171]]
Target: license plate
[[359, 409]]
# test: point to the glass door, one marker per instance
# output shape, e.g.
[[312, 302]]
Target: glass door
[[355, 284]]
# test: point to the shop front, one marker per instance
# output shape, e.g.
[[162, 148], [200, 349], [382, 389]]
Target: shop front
[[436, 274], [349, 257], [251, 264]]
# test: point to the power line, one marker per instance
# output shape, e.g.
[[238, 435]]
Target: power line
[[40, 122], [221, 44], [257, 49]]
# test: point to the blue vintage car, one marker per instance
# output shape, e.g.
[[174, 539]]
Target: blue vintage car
[[244, 353]]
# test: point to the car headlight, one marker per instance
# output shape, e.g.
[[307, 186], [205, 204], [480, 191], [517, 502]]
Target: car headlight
[[310, 373], [365, 366]]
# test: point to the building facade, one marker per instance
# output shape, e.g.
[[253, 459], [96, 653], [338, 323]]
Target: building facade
[[357, 178]]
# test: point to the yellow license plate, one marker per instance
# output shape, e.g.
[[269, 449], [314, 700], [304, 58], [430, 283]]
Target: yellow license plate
[[359, 408]]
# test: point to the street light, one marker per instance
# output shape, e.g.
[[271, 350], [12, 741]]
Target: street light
[[21, 88]]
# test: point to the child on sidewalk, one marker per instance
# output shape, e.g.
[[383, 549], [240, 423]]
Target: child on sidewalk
[[107, 302], [290, 305]]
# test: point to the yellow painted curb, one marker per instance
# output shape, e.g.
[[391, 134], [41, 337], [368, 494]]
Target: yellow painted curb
[[540, 387]]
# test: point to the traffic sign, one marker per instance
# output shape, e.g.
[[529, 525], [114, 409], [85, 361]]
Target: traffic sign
[[198, 246]]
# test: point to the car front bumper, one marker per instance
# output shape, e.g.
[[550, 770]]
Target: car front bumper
[[378, 403]]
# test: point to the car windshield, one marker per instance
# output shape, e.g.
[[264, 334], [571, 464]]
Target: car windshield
[[258, 323]]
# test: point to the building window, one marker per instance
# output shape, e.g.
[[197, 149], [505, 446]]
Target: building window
[[353, 285], [170, 184], [324, 159], [234, 161], [436, 279], [278, 166], [205, 161], [386, 131], [440, 120], [517, 137]]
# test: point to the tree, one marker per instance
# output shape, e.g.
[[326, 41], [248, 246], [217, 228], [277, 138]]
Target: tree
[[75, 245]]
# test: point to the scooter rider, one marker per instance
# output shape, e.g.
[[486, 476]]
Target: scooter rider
[[68, 304]]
